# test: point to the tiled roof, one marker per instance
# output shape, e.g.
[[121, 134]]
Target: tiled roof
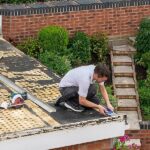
[[35, 78]]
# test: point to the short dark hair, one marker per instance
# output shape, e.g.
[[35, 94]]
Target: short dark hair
[[102, 70]]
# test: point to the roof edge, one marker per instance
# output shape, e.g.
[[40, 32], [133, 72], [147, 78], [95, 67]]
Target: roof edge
[[67, 137], [105, 120]]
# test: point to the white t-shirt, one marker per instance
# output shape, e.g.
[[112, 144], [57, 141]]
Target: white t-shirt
[[81, 77]]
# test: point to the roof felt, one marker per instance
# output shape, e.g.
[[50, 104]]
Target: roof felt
[[31, 75]]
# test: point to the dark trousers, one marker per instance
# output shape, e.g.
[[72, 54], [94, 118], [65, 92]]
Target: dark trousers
[[71, 94]]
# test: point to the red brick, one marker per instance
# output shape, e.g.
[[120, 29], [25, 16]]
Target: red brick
[[113, 21]]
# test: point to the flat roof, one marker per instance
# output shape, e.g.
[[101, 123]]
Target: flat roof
[[31, 75]]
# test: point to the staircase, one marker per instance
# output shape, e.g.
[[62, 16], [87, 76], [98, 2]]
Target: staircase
[[124, 82]]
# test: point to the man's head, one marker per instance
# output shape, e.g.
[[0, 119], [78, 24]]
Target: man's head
[[101, 73]]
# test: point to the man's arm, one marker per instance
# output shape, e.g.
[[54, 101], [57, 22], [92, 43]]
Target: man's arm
[[105, 96], [83, 101]]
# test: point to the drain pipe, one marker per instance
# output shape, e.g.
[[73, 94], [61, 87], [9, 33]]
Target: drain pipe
[[18, 89]]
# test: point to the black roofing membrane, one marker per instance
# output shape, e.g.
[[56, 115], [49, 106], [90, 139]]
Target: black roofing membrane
[[66, 116]]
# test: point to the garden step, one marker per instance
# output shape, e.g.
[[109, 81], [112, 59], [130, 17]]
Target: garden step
[[117, 42], [124, 82], [136, 142], [132, 119], [127, 105], [125, 93], [123, 71], [123, 49], [122, 60]]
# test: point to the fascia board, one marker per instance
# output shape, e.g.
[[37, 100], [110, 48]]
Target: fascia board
[[67, 137]]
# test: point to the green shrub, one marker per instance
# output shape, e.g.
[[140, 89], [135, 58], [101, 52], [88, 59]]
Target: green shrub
[[143, 37], [59, 64], [147, 81], [144, 95], [30, 47], [146, 59], [53, 38], [99, 47], [80, 49], [112, 98]]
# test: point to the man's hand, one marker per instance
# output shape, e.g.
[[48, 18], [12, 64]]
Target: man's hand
[[110, 107], [102, 109]]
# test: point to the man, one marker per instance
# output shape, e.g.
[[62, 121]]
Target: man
[[78, 89]]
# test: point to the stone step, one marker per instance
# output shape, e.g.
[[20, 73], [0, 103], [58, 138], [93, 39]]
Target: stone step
[[136, 142], [123, 71], [123, 49], [122, 60], [124, 82], [118, 41], [132, 119], [127, 105], [125, 93]]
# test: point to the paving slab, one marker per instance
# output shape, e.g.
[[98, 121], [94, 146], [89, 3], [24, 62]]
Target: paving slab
[[125, 91], [132, 119], [123, 49], [124, 82], [119, 59], [123, 70], [127, 103]]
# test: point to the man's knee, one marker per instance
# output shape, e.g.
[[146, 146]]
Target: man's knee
[[69, 92]]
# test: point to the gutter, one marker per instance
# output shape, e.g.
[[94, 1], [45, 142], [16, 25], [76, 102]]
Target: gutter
[[67, 136]]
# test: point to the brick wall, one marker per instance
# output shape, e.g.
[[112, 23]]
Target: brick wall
[[98, 145], [143, 135], [117, 21]]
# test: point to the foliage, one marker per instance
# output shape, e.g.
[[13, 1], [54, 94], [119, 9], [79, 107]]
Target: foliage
[[60, 64], [143, 58], [144, 95], [146, 59], [53, 38], [30, 47], [80, 49], [143, 37], [112, 98], [20, 1], [143, 43], [147, 81], [99, 47], [120, 144]]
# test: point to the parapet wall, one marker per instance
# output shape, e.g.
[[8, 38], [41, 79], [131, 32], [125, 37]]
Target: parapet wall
[[116, 18]]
